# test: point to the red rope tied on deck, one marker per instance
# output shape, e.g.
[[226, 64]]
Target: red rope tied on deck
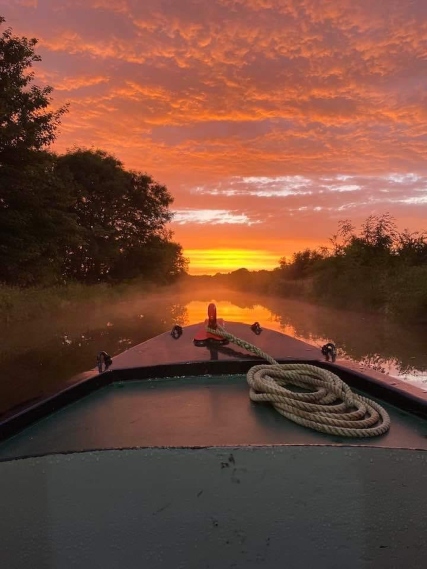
[[327, 404]]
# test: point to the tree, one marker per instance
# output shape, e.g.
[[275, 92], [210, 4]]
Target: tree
[[303, 263], [79, 216], [36, 226], [26, 123], [122, 215], [34, 217], [158, 260], [379, 232], [374, 246], [411, 248]]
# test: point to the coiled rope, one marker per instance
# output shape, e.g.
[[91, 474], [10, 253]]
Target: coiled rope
[[327, 404]]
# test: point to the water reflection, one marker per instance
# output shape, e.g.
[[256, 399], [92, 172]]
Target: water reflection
[[367, 339], [40, 356]]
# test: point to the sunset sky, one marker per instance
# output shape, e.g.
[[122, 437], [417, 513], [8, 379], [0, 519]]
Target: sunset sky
[[268, 120]]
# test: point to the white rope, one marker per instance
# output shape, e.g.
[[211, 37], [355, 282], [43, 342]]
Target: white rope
[[321, 400]]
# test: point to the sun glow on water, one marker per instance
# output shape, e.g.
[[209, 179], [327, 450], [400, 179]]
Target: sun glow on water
[[230, 312]]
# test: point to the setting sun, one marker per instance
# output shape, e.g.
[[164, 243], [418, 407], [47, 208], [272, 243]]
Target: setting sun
[[211, 261]]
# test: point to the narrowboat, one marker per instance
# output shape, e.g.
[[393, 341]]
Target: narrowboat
[[218, 445]]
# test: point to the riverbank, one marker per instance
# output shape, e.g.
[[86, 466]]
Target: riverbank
[[397, 292], [33, 303]]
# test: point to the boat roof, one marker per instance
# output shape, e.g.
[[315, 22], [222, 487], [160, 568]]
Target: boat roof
[[167, 392]]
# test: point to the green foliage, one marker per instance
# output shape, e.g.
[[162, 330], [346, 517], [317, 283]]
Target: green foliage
[[357, 274], [303, 264], [159, 260], [122, 216], [412, 248], [378, 269], [407, 293], [81, 216], [35, 223], [242, 280], [26, 124], [34, 218]]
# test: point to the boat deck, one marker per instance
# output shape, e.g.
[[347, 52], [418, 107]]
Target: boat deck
[[204, 411], [137, 404], [167, 350], [119, 461]]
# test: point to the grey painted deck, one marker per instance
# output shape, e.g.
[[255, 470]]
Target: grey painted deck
[[187, 412], [293, 507]]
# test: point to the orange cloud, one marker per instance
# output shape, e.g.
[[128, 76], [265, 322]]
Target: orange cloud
[[206, 95], [73, 83]]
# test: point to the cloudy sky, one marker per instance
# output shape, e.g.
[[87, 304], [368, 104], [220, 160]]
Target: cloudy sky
[[268, 120]]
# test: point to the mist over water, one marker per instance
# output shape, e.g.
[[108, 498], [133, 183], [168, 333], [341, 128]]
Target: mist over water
[[40, 356]]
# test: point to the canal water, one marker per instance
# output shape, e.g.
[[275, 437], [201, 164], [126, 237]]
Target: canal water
[[41, 356]]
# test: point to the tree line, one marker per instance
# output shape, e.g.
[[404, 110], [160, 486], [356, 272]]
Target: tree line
[[374, 269], [80, 216], [377, 268]]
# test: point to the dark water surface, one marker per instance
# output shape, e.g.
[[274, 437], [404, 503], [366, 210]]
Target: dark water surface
[[38, 357]]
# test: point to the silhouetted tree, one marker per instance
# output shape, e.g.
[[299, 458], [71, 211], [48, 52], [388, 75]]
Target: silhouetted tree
[[122, 216], [158, 260], [26, 122], [303, 264], [34, 219], [36, 226], [412, 247]]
